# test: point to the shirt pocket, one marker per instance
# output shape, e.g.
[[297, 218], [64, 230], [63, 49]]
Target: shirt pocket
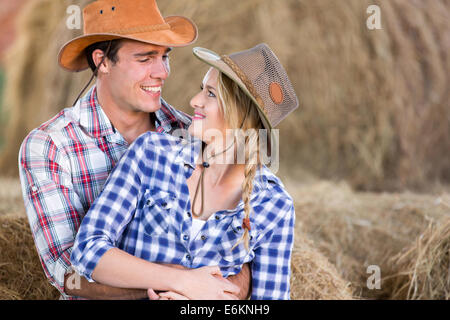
[[156, 213], [232, 235]]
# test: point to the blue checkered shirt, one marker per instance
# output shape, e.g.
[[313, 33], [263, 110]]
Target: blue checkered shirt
[[144, 210]]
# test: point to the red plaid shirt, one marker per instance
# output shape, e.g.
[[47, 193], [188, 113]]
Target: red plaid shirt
[[63, 165]]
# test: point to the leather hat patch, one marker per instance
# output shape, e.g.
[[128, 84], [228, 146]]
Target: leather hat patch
[[276, 93]]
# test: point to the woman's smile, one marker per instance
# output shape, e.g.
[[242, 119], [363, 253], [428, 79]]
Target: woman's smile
[[198, 116]]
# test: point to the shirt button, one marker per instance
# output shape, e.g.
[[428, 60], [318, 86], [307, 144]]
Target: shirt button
[[217, 218], [186, 237], [203, 237], [188, 257], [188, 214]]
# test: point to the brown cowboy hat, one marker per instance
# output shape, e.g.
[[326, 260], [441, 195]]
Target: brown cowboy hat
[[138, 20]]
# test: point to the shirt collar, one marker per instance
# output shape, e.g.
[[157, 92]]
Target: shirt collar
[[92, 116], [168, 118], [190, 150]]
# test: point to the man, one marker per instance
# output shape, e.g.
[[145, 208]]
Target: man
[[65, 162]]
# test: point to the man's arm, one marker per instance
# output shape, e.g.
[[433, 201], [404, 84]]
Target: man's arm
[[54, 212], [76, 285]]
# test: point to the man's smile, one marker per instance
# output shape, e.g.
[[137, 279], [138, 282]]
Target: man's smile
[[152, 90]]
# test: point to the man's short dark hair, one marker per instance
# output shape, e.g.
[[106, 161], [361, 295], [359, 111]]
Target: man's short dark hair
[[103, 46]]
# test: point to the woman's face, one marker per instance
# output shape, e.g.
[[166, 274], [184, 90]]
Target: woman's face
[[208, 122]]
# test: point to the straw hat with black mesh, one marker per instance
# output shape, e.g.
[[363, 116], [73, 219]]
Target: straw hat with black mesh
[[138, 20], [259, 73]]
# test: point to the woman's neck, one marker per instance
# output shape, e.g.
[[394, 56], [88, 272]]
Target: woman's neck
[[220, 163], [224, 174]]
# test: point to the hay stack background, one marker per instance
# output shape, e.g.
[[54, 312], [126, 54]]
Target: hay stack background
[[405, 234], [21, 274], [8, 13], [374, 104], [313, 276], [424, 268], [35, 88], [339, 233], [374, 114]]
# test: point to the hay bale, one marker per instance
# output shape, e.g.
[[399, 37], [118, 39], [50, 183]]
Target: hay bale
[[374, 103], [21, 274], [7, 294], [423, 269], [11, 201], [313, 276], [355, 230]]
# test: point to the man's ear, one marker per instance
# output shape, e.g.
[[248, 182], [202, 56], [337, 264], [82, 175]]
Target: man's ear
[[103, 64]]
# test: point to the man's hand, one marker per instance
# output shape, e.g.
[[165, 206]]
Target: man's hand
[[243, 280]]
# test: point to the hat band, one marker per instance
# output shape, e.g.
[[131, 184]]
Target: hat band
[[245, 80], [142, 29]]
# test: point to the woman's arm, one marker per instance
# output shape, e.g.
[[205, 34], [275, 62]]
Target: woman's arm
[[271, 267], [120, 269]]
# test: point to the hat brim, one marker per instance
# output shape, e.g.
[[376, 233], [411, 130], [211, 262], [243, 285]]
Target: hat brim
[[213, 59], [182, 32]]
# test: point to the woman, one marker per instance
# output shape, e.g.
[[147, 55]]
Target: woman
[[193, 203]]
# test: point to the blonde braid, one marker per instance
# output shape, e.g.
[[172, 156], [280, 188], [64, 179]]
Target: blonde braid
[[240, 113], [251, 164]]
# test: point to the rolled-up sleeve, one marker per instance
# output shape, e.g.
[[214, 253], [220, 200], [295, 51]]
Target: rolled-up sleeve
[[271, 267], [53, 208], [111, 211]]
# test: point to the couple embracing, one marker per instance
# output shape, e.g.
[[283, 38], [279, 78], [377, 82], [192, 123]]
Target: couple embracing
[[142, 200]]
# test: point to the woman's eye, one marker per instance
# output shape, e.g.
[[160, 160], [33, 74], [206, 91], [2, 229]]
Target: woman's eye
[[210, 93]]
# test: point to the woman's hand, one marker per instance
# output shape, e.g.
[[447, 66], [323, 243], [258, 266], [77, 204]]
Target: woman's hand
[[168, 295], [202, 275], [205, 283]]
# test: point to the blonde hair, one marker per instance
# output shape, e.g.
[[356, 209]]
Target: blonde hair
[[240, 113]]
